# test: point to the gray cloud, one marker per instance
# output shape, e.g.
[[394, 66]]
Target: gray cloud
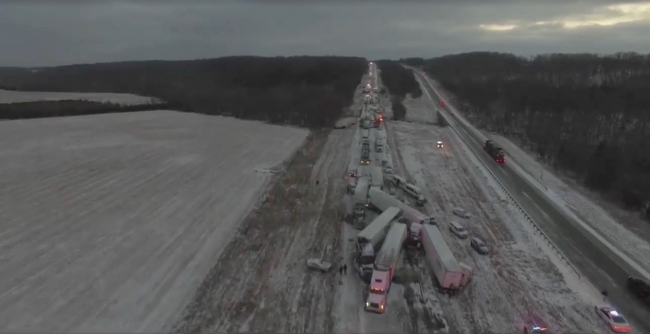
[[64, 32]]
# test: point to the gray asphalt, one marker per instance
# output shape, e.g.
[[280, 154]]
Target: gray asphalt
[[594, 264]]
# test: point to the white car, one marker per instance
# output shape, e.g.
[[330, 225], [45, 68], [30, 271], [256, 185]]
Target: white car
[[317, 264], [462, 213], [615, 321], [388, 170]]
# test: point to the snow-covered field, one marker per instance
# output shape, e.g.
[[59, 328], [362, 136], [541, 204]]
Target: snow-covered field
[[110, 222], [7, 96], [518, 279], [261, 282]]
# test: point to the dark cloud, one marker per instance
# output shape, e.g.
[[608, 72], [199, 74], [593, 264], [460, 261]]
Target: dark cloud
[[41, 33]]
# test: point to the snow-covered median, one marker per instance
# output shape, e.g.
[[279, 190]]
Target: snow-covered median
[[8, 96]]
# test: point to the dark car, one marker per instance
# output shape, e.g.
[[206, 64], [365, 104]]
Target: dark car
[[479, 246]]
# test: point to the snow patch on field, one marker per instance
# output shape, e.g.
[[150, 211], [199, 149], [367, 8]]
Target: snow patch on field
[[111, 222], [8, 96], [419, 109], [623, 238]]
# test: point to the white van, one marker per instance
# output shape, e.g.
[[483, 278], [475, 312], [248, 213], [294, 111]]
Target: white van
[[415, 192], [398, 180], [458, 230]]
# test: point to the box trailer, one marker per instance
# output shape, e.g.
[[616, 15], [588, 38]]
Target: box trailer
[[373, 235], [376, 177], [381, 201], [443, 262], [359, 200]]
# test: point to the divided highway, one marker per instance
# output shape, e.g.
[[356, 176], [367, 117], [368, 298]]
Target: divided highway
[[596, 265]]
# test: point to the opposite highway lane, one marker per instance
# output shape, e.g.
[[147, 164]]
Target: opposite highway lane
[[593, 263]]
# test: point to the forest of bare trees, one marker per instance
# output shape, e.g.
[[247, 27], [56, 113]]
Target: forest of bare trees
[[304, 91], [582, 113], [399, 81]]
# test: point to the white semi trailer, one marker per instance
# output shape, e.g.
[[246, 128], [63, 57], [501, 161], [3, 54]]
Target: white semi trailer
[[449, 272], [359, 201], [382, 201], [372, 236], [376, 178], [385, 266]]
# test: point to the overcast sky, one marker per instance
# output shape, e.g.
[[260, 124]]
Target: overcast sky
[[57, 32]]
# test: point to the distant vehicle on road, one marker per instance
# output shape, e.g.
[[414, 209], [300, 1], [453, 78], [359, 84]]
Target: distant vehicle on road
[[479, 246], [388, 170], [317, 264], [462, 213], [443, 104], [458, 230], [535, 324], [615, 321], [439, 144], [495, 151]]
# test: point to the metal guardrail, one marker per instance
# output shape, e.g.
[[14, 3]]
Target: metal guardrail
[[530, 220]]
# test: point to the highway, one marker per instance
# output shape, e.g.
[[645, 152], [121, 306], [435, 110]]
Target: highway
[[595, 265]]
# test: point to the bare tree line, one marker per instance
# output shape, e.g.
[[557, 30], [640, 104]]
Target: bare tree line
[[303, 91], [400, 82], [582, 113]]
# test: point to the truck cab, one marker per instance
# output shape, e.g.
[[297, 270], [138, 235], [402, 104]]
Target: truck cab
[[379, 286], [365, 260], [376, 303]]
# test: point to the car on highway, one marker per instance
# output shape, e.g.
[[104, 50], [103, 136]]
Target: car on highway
[[352, 172], [319, 265], [535, 325], [439, 144], [458, 230], [614, 320], [388, 170], [443, 104], [462, 213], [479, 246]]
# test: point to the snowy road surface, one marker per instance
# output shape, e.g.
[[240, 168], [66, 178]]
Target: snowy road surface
[[627, 231], [110, 222], [518, 279], [8, 96], [594, 263]]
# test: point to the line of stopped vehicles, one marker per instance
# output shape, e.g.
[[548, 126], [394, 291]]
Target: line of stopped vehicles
[[398, 225]]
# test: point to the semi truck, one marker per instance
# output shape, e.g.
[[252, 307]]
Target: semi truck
[[448, 271], [384, 269], [365, 154], [360, 200], [495, 151], [381, 201], [376, 178], [372, 236]]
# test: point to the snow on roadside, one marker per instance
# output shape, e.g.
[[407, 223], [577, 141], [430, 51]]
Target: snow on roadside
[[8, 96], [618, 227], [518, 277], [419, 109], [627, 234]]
